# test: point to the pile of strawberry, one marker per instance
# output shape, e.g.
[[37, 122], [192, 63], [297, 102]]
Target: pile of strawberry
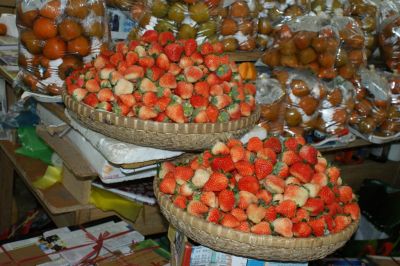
[[166, 80], [271, 187]]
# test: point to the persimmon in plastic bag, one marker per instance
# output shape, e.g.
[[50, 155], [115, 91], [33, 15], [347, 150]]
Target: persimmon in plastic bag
[[392, 125], [57, 37]]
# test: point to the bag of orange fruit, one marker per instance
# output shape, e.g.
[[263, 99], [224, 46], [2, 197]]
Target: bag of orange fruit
[[57, 37]]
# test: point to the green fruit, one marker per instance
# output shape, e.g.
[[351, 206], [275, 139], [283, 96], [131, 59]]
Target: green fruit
[[159, 8], [164, 25], [177, 12], [187, 32], [199, 12], [208, 28]]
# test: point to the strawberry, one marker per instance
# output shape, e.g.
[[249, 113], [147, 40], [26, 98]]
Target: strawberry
[[320, 179], [245, 109], [100, 62], [206, 48], [216, 90], [333, 174], [229, 221], [267, 154], [221, 101], [224, 163], [105, 73], [287, 208], [146, 113], [254, 144], [262, 228], [154, 49], [131, 58], [190, 47], [184, 89], [218, 47], [91, 99], [133, 73], [202, 88], [345, 194], [200, 177], [193, 74], [186, 189], [116, 58], [245, 199], [168, 185], [313, 189], [296, 193], [244, 168], [115, 77], [274, 184], [197, 208], [224, 72], [213, 79], [132, 45], [317, 226], [281, 170], [212, 113], [140, 50], [301, 229], [162, 62], [173, 51], [353, 210], [302, 171], [212, 62], [216, 182], [320, 167], [341, 222], [166, 37], [249, 183], [105, 106], [314, 205], [291, 180], [237, 153], [292, 144], [168, 81], [149, 36], [334, 208], [162, 103], [198, 101], [302, 215], [209, 198], [270, 214], [290, 157], [165, 168], [220, 148], [105, 95], [183, 173], [185, 62], [273, 143], [330, 224], [197, 58], [175, 69], [226, 200], [175, 113], [121, 47], [92, 85], [250, 88], [327, 195], [283, 227], [234, 111], [180, 201], [264, 197], [239, 214], [149, 99], [213, 215], [154, 73], [127, 99], [309, 154], [262, 168], [147, 85], [255, 213]]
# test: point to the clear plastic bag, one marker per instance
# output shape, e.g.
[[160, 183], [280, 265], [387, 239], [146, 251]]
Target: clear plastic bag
[[392, 125], [331, 7], [56, 37], [275, 10]]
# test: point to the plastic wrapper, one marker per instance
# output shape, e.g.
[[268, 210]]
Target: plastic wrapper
[[372, 103], [365, 13], [306, 42], [389, 34], [186, 19], [271, 96], [392, 125], [56, 37], [332, 7], [336, 107]]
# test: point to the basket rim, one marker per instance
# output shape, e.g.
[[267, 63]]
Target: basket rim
[[82, 109], [254, 239]]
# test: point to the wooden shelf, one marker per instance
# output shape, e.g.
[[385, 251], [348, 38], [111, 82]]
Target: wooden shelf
[[358, 143]]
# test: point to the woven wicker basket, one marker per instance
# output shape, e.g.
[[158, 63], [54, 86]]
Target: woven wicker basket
[[270, 248], [169, 136]]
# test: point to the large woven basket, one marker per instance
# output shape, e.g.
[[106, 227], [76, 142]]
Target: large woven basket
[[169, 136], [269, 248]]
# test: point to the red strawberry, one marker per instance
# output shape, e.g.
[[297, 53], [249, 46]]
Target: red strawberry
[[224, 72], [190, 47], [218, 47], [292, 144], [105, 95], [262, 168], [245, 109], [220, 148], [291, 180], [154, 73], [320, 167], [273, 143], [184, 90], [168, 185], [317, 226], [127, 99], [202, 88], [245, 199], [314, 205], [212, 113], [186, 189], [216, 182], [180, 201], [296, 193], [185, 62], [165, 168], [133, 73], [162, 103], [155, 49], [226, 200], [146, 113], [173, 51], [168, 81], [345, 194], [267, 154], [341, 222], [286, 208], [100, 62], [132, 45], [197, 58], [183, 173], [174, 69], [221, 101], [162, 62], [237, 153], [147, 85], [283, 226], [92, 85], [329, 222], [264, 197], [302, 171], [216, 90], [239, 214], [197, 208], [121, 47], [233, 142], [206, 48], [213, 79], [262, 228], [175, 113], [250, 88], [146, 61], [353, 209], [193, 74], [149, 98], [274, 184], [255, 213], [254, 144], [213, 215], [333, 174], [166, 37], [302, 215], [131, 58], [209, 198], [105, 106], [91, 99], [290, 157], [281, 170], [301, 229], [200, 177], [320, 178], [244, 168], [334, 208], [249, 183], [212, 62], [198, 101], [116, 58], [224, 163], [327, 195], [309, 154], [234, 111], [229, 221], [149, 36], [270, 214]]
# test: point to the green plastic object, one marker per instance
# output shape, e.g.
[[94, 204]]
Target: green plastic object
[[32, 146]]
